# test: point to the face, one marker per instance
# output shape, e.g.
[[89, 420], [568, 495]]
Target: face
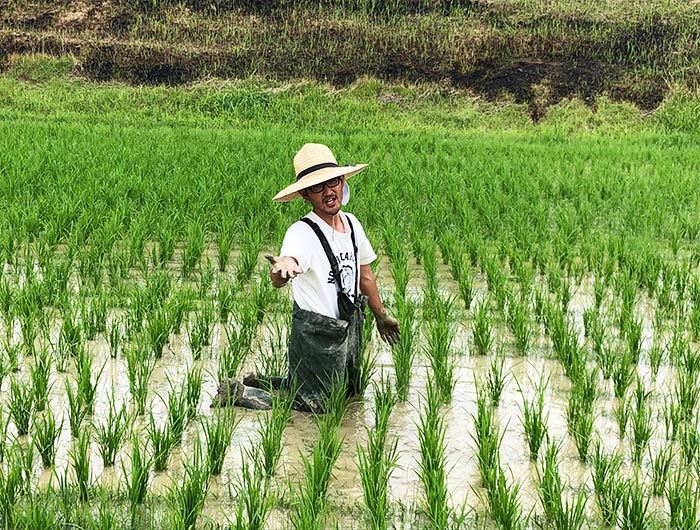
[[327, 200]]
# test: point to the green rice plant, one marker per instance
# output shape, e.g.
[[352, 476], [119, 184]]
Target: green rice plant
[[462, 275], [12, 353], [271, 431], [430, 269], [86, 388], [109, 435], [193, 386], [194, 245], [95, 314], [686, 393], [4, 425], [549, 484], [656, 357], [579, 412], [621, 413], [225, 300], [46, 435], [77, 409], [218, 432], [377, 461], [622, 373], [642, 426], [206, 279], [633, 334], [689, 442], [165, 237], [694, 321], [224, 244], [70, 338], [682, 498], [157, 330], [367, 362], [486, 437], [605, 355], [403, 352], [495, 279], [39, 374], [39, 512], [177, 410], [607, 484], [80, 460], [139, 369], [660, 468], [482, 329], [635, 506], [505, 505], [518, 319], [432, 466], [311, 500], [534, 418], [187, 497], [249, 251], [20, 405], [12, 486], [115, 331], [254, 499], [136, 478], [177, 309], [496, 378], [200, 330], [162, 443], [441, 332]]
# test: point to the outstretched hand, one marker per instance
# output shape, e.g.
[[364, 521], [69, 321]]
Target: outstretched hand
[[388, 328], [285, 266]]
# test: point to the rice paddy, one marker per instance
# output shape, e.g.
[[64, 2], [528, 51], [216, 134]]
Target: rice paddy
[[545, 277]]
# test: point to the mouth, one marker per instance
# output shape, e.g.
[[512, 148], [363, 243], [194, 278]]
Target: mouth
[[330, 201]]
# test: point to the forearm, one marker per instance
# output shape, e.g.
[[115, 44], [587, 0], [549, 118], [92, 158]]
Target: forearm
[[368, 287]]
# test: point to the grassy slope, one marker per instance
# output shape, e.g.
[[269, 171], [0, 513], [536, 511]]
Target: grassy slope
[[532, 52]]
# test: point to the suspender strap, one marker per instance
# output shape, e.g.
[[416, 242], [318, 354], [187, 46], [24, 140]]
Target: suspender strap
[[335, 269]]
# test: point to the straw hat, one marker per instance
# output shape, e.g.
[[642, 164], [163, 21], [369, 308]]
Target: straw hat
[[313, 164]]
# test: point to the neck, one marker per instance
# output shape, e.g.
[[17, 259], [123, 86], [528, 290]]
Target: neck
[[334, 221]]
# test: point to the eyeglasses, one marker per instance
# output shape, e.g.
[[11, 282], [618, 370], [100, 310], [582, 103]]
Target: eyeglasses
[[318, 188]]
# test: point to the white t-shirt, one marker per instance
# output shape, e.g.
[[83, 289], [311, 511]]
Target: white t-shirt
[[314, 289]]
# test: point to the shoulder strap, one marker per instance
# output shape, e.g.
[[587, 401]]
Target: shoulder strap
[[335, 270]]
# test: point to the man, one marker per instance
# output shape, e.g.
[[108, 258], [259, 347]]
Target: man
[[326, 256]]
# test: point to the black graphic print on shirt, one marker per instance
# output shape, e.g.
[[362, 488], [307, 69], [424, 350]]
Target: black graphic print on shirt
[[345, 262]]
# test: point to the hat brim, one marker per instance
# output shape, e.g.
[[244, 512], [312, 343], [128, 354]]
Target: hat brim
[[322, 175]]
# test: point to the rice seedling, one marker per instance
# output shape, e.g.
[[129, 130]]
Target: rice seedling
[[607, 484], [206, 279], [633, 335], [642, 426], [162, 443], [187, 496], [225, 300], [139, 369], [193, 390], [4, 425], [534, 419], [177, 410], [254, 499], [689, 442], [38, 513], [80, 460], [377, 461], [660, 468], [12, 487], [200, 330], [136, 478], [505, 506], [109, 435], [432, 466], [157, 331], [225, 242], [682, 498], [20, 406], [194, 245], [115, 331], [634, 511], [12, 353], [271, 431], [621, 413], [579, 411], [403, 352], [77, 409], [496, 378], [486, 437], [39, 374], [86, 388], [622, 373], [462, 275], [482, 329], [218, 432], [46, 435], [441, 332], [518, 319], [656, 357], [95, 314]]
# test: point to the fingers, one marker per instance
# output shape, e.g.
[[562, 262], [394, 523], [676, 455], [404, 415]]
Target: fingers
[[272, 259]]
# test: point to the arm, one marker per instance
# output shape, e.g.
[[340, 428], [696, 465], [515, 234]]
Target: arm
[[387, 326]]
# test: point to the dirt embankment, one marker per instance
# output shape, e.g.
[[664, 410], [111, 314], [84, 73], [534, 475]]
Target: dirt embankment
[[492, 48]]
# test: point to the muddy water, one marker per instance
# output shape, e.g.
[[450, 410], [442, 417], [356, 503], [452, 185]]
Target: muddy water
[[345, 495]]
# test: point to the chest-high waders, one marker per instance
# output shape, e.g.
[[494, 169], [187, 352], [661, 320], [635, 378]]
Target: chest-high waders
[[324, 351]]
